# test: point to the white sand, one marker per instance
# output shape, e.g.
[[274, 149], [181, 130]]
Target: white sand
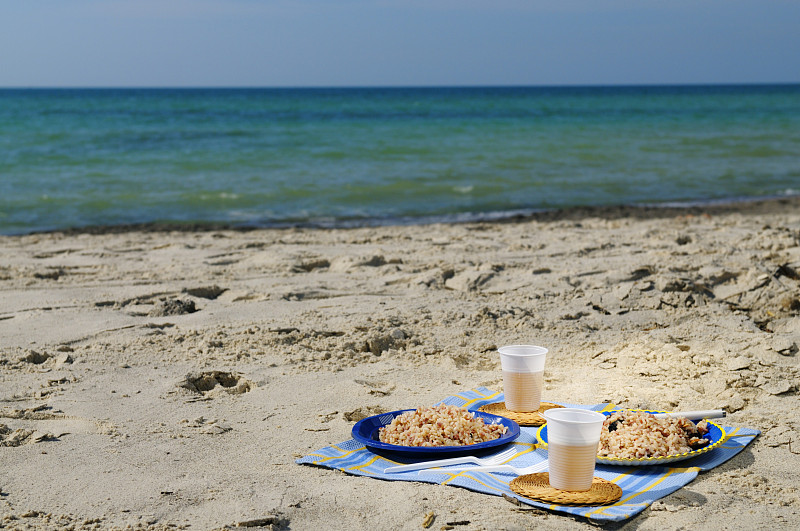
[[110, 416]]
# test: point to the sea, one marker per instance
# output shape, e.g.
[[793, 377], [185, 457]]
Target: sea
[[328, 157]]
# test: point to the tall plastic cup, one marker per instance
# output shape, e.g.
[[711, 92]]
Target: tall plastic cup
[[573, 436], [523, 375]]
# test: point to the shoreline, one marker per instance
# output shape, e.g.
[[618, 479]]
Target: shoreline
[[754, 206]]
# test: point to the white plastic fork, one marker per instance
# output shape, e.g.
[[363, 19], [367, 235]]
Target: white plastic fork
[[508, 469], [496, 459]]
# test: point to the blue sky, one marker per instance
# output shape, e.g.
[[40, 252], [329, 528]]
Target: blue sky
[[396, 43]]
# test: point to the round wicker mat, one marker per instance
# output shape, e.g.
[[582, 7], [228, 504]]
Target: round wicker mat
[[523, 418], [537, 487]]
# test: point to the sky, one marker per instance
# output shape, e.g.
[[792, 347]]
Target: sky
[[313, 43]]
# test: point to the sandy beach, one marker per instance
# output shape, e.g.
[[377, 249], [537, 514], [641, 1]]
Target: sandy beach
[[157, 379]]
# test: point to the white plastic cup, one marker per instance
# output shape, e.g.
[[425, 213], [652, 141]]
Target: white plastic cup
[[573, 436], [523, 376]]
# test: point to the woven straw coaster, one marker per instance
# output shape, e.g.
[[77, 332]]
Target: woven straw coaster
[[537, 487], [523, 418]]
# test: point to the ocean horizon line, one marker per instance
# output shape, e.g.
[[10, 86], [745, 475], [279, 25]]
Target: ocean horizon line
[[406, 87]]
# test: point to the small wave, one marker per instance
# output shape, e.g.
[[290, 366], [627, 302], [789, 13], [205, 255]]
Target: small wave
[[220, 195], [463, 189]]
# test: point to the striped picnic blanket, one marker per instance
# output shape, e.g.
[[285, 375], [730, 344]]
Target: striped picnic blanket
[[640, 485]]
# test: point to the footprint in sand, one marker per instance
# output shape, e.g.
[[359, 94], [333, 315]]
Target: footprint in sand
[[210, 384], [170, 307], [306, 266], [207, 426], [206, 292], [41, 423], [20, 436], [55, 361]]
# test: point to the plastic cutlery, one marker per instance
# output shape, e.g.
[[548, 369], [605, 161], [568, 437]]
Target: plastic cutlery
[[694, 415], [539, 467], [496, 459]]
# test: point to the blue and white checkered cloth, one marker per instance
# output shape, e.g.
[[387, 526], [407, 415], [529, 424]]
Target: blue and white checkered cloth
[[641, 485]]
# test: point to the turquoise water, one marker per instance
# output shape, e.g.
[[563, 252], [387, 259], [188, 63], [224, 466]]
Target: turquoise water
[[78, 158]]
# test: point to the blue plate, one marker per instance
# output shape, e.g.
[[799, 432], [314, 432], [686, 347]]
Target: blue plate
[[716, 434], [366, 432]]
